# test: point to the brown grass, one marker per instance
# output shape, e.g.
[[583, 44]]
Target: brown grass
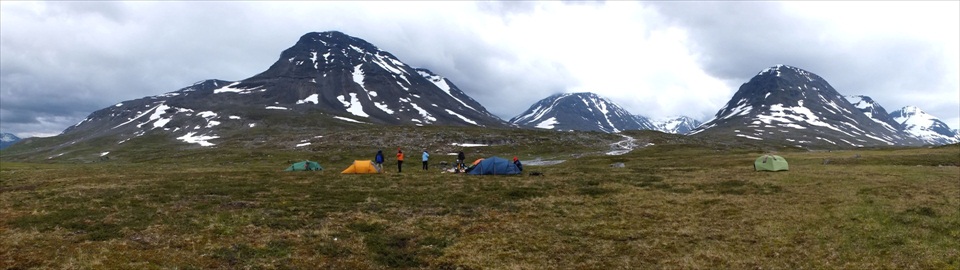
[[670, 207]]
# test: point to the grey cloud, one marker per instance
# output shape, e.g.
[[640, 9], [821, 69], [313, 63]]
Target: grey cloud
[[493, 75], [64, 62], [507, 8], [59, 76], [738, 39], [129, 50], [107, 9]]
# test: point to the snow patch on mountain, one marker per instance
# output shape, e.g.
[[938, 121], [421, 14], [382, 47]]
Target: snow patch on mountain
[[358, 76], [348, 119], [141, 114], [229, 89], [537, 113], [353, 105], [202, 140], [383, 107], [547, 124], [385, 63], [461, 117], [441, 83], [427, 117], [315, 99]]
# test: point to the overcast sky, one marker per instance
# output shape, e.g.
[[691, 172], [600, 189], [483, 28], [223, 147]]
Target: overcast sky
[[60, 61]]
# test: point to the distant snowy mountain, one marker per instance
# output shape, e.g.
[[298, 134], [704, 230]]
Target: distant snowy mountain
[[676, 125], [873, 110], [924, 126], [580, 111], [324, 76], [792, 106], [8, 139]]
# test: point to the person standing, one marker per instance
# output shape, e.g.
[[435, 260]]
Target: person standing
[[426, 156], [399, 160], [378, 160], [460, 159]]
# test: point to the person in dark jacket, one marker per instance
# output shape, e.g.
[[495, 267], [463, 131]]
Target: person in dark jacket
[[378, 160], [517, 162], [460, 159]]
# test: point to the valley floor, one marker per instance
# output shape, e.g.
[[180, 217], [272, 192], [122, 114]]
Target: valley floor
[[670, 207]]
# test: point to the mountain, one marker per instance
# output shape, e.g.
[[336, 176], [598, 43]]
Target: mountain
[[789, 105], [873, 110], [924, 126], [8, 139], [326, 77], [580, 111], [677, 125]]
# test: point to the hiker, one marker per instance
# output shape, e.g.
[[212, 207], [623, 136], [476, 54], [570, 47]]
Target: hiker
[[460, 159], [426, 156], [517, 162], [399, 160], [378, 160]]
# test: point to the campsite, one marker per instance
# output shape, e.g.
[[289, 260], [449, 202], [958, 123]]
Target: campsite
[[676, 203]]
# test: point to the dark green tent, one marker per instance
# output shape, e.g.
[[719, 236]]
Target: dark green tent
[[305, 165], [770, 163]]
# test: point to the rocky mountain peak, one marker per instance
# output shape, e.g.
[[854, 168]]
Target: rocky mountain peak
[[330, 75], [926, 127], [797, 106], [8, 139], [580, 111]]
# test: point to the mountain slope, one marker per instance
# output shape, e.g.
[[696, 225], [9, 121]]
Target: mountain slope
[[344, 74], [873, 110], [791, 106], [326, 78], [924, 126], [580, 111]]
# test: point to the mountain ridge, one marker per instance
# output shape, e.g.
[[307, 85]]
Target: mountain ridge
[[325, 74], [786, 103], [923, 126], [583, 111]]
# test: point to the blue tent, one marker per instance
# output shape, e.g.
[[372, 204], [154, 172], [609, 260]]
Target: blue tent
[[494, 165]]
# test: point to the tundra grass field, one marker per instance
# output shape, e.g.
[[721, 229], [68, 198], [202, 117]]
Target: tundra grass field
[[670, 206]]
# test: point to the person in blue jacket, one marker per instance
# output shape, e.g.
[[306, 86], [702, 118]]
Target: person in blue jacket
[[378, 160], [426, 156]]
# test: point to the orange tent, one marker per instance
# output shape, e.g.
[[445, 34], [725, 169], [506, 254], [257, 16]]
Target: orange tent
[[361, 167]]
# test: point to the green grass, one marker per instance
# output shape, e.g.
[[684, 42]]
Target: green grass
[[679, 204]]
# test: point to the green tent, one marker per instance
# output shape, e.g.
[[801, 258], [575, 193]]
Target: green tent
[[305, 165], [770, 163]]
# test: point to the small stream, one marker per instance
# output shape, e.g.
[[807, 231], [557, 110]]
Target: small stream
[[622, 147]]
